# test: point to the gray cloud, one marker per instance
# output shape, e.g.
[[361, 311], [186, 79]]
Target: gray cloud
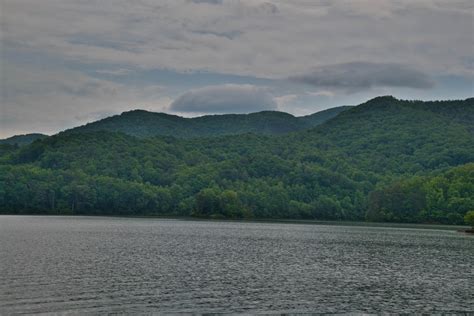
[[35, 99], [95, 115], [229, 35], [207, 1], [264, 38], [268, 7], [228, 98], [356, 76]]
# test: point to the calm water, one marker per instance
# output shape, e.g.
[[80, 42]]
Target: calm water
[[60, 264]]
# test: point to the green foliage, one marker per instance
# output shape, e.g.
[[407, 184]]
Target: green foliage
[[22, 140], [323, 116], [469, 218], [441, 198], [385, 160]]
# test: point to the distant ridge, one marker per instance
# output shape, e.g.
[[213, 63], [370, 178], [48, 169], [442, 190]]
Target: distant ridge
[[459, 111], [144, 124], [22, 140], [140, 123], [324, 115]]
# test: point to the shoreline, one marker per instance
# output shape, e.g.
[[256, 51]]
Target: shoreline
[[458, 228]]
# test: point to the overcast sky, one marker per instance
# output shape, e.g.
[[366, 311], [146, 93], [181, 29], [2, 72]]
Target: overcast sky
[[64, 63]]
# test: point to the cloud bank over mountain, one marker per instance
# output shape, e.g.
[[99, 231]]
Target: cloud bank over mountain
[[146, 54], [227, 98]]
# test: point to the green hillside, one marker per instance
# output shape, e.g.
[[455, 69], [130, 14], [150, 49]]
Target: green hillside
[[365, 163], [390, 136], [21, 140], [144, 124], [318, 118]]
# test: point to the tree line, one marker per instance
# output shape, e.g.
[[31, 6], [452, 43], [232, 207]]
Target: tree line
[[384, 161]]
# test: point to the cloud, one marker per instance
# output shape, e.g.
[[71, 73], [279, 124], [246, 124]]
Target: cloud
[[227, 98], [268, 7], [95, 115], [262, 38], [283, 100], [207, 1], [47, 100], [322, 93], [357, 76], [114, 72], [229, 35], [61, 59]]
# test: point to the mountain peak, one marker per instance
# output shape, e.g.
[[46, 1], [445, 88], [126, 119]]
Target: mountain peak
[[383, 98]]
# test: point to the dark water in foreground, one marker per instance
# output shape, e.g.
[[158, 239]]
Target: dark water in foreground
[[61, 264]]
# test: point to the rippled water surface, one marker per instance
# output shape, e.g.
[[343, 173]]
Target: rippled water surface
[[86, 264]]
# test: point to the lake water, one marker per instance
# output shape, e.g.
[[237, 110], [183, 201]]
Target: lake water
[[87, 264]]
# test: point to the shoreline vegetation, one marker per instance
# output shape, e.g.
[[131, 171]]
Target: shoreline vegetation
[[386, 160], [431, 226]]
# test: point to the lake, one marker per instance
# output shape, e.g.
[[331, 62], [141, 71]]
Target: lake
[[133, 265]]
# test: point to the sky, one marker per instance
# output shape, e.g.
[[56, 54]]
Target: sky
[[64, 63]]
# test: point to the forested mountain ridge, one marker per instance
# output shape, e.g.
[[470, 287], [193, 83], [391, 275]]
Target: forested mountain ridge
[[21, 140], [362, 164], [144, 124], [320, 117], [141, 123], [386, 135]]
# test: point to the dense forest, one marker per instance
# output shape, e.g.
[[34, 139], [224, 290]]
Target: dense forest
[[384, 160]]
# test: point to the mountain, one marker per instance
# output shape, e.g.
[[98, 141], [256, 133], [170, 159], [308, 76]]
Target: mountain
[[387, 135], [144, 124], [383, 160], [323, 116], [22, 140]]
